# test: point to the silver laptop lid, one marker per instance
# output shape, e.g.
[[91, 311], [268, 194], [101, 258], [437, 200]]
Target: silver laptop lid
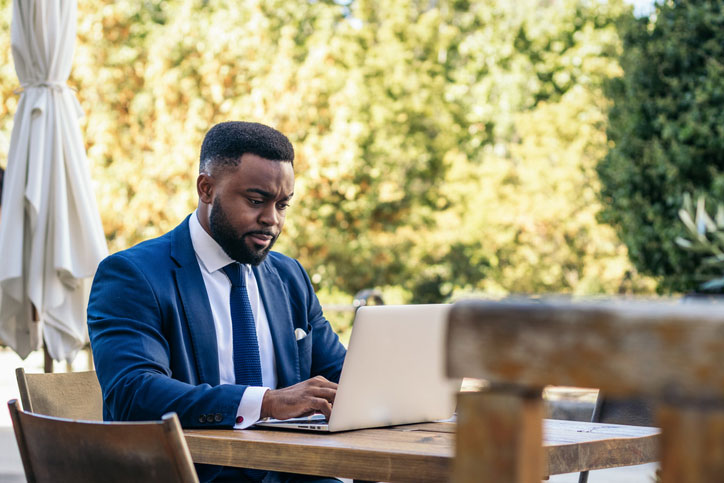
[[394, 369]]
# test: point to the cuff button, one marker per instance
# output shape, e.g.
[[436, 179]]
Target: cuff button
[[239, 419]]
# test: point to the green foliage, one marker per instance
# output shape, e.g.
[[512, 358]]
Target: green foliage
[[521, 183], [705, 238], [477, 129], [667, 134], [442, 147]]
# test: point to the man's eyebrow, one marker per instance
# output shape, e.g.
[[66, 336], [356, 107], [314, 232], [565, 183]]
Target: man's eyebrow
[[266, 194]]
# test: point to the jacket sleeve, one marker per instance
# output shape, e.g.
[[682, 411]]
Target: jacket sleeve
[[132, 328]]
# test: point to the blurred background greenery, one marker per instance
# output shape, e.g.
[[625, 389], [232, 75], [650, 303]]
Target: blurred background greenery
[[444, 147]]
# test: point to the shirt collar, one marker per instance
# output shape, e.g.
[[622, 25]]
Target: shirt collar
[[209, 253]]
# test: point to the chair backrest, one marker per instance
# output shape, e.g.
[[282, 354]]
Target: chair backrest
[[669, 354], [72, 395], [57, 449]]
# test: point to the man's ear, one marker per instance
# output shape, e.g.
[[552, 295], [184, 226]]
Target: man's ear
[[205, 188]]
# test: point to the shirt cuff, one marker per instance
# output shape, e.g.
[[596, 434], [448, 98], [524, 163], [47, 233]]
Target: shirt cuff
[[250, 407]]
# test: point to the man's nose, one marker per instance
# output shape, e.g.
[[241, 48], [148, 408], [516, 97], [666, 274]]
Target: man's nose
[[269, 216]]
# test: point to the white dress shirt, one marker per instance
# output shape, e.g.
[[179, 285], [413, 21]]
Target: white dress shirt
[[212, 259]]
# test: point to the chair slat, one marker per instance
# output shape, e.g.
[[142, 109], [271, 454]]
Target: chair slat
[[58, 449], [625, 349], [73, 395]]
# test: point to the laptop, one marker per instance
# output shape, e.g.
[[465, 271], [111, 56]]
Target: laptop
[[393, 372]]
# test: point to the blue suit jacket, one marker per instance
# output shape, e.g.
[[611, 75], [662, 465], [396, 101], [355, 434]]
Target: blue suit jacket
[[154, 341]]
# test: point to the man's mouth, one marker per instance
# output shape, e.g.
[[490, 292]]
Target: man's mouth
[[260, 239]]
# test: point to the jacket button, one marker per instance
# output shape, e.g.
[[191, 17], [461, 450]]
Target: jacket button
[[218, 417], [202, 418]]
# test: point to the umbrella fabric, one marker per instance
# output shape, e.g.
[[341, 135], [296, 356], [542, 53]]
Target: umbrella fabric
[[51, 238]]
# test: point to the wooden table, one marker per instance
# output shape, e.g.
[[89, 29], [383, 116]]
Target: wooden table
[[418, 452]]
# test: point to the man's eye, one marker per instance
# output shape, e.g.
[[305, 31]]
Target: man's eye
[[255, 202], [283, 206]]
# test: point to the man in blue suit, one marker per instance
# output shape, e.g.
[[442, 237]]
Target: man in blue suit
[[165, 317]]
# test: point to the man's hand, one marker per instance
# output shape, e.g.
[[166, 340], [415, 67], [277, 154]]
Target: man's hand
[[314, 395]]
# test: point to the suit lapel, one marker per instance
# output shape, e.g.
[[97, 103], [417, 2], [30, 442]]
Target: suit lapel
[[276, 304], [195, 302]]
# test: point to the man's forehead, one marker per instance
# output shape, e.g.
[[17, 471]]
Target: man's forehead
[[263, 174]]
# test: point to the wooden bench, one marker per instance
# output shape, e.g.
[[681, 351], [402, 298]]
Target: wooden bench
[[671, 353]]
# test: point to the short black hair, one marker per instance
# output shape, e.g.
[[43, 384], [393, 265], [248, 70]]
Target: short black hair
[[227, 142]]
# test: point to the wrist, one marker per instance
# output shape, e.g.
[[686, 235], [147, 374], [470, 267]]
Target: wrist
[[266, 404]]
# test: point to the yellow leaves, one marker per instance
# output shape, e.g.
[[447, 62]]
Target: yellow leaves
[[390, 191], [416, 129]]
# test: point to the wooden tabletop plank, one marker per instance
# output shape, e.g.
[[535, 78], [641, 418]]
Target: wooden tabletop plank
[[446, 427], [557, 432], [573, 446], [377, 455], [416, 452]]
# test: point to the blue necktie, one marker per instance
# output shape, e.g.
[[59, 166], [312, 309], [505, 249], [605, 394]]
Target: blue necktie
[[247, 365]]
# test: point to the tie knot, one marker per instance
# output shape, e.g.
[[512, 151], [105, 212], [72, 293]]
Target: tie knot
[[233, 271]]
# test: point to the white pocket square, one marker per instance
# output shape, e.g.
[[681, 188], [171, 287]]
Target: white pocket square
[[299, 334]]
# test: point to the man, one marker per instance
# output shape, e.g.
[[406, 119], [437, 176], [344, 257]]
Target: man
[[205, 320]]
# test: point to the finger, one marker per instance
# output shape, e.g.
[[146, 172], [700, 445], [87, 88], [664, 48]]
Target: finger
[[321, 381], [325, 393], [323, 406]]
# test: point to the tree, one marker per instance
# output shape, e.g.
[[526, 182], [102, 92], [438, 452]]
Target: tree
[[8, 81], [667, 133], [521, 183], [441, 146]]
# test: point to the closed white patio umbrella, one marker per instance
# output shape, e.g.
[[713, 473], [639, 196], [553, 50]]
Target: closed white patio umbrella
[[51, 238]]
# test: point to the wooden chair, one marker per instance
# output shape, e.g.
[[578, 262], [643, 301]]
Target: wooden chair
[[669, 354], [57, 449], [73, 395]]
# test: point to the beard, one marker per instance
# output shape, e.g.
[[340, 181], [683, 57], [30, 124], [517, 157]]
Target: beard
[[231, 242]]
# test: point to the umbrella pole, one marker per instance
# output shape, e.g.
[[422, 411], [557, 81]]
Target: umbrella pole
[[47, 360]]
